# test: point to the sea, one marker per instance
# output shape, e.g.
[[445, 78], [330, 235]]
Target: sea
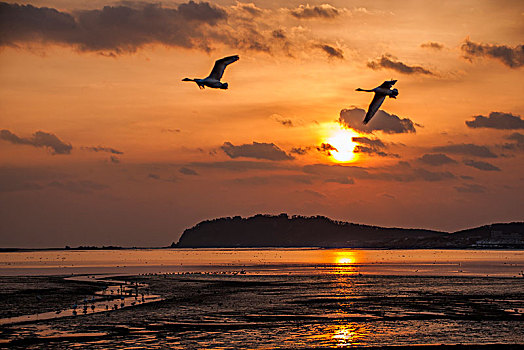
[[260, 298]]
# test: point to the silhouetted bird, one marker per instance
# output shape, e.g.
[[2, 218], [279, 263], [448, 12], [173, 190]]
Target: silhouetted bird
[[380, 94], [213, 80]]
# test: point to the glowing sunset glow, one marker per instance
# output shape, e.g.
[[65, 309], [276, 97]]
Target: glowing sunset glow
[[96, 121], [342, 141]]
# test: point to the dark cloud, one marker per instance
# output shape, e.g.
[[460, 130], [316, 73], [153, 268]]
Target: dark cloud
[[336, 171], [388, 62], [102, 149], [81, 187], [309, 193], [321, 11], [157, 177], [383, 121], [171, 130], [481, 165], [331, 51], [115, 29], [38, 139], [512, 57], [402, 172], [432, 45], [518, 139], [114, 159], [436, 159], [467, 149], [371, 146], [284, 121], [299, 150], [273, 179], [21, 179], [408, 174], [341, 180], [236, 166], [257, 150], [187, 171], [279, 34], [497, 120], [326, 148], [470, 188]]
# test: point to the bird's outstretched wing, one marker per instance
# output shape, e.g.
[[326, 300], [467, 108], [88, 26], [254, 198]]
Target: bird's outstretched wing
[[388, 84], [373, 107], [220, 66]]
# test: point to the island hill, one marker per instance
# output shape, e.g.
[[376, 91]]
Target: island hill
[[319, 231]]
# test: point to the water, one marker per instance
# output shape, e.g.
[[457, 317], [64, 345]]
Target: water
[[266, 261], [266, 298]]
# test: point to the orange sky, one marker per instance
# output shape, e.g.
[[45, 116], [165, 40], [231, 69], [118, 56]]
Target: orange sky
[[130, 155]]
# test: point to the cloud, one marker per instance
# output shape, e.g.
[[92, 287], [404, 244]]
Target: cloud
[[512, 57], [102, 149], [382, 121], [171, 130], [388, 62], [21, 179], [466, 149], [300, 150], [432, 45], [321, 11], [481, 165], [273, 179], [335, 171], [127, 26], [518, 138], [81, 187], [470, 188], [341, 180], [402, 172], [236, 166], [114, 159], [408, 174], [279, 34], [371, 146], [326, 148], [257, 150], [436, 159], [331, 51], [117, 29], [248, 8], [39, 139], [187, 171], [497, 120], [281, 120], [309, 193], [154, 176]]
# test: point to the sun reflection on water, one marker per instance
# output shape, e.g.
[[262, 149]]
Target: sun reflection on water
[[348, 334]]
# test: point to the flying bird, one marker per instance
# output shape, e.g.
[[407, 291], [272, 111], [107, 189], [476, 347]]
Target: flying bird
[[380, 94], [213, 80]]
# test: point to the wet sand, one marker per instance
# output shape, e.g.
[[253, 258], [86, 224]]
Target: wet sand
[[236, 310]]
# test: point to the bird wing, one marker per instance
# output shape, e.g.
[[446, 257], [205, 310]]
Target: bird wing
[[388, 84], [373, 107], [220, 66]]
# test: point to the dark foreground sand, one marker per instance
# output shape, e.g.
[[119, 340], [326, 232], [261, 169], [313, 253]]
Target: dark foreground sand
[[252, 312]]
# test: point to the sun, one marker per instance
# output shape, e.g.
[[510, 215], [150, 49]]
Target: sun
[[342, 140]]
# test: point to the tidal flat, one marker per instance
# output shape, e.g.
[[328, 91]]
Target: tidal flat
[[283, 306]]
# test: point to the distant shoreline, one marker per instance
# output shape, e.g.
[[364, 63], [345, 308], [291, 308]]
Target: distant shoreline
[[19, 250]]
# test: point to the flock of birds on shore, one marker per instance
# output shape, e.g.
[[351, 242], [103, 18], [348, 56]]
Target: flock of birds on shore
[[213, 81]]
